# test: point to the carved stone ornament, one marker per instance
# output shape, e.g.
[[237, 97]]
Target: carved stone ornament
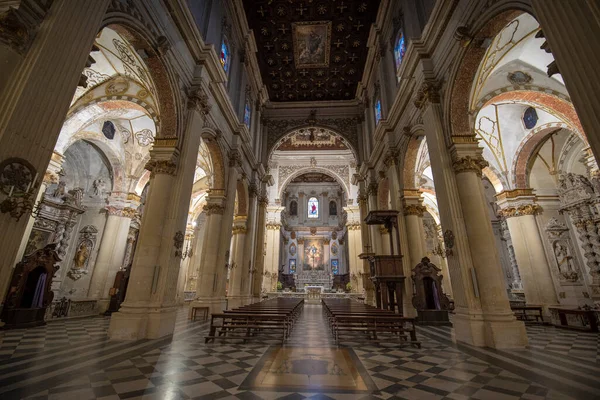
[[273, 226], [167, 167], [178, 242], [518, 211], [239, 230], [85, 245], [567, 266], [469, 164], [212, 208], [198, 99], [574, 190], [448, 241], [519, 78], [427, 93], [414, 209]]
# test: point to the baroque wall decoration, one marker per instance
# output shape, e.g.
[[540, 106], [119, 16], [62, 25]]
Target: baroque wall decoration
[[83, 253]]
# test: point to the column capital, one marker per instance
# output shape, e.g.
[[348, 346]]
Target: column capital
[[273, 226], [372, 188], [519, 211], [391, 157], [239, 230], [428, 92], [517, 202], [414, 209], [467, 155], [263, 201], [469, 164], [213, 208], [163, 156]]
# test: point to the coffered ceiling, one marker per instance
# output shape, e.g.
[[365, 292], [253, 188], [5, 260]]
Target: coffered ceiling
[[311, 50]]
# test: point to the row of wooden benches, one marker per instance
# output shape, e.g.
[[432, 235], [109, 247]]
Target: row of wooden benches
[[354, 321], [256, 321]]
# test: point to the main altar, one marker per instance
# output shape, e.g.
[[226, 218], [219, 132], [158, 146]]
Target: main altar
[[313, 278]]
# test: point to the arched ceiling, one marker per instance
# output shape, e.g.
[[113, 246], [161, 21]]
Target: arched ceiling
[[312, 138], [311, 50]]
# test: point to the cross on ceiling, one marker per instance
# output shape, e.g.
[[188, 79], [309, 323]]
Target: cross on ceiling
[[301, 9], [268, 46], [335, 71], [338, 43], [283, 29], [342, 7], [319, 84], [261, 11], [287, 59], [273, 74], [358, 25], [353, 57], [304, 72], [289, 85]]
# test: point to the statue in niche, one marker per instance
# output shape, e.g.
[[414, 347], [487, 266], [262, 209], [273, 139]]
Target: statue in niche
[[98, 187], [565, 263], [332, 208], [294, 208], [60, 189], [82, 254]]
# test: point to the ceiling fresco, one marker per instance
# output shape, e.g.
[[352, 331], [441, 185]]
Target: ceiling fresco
[[312, 139], [311, 50], [313, 177]]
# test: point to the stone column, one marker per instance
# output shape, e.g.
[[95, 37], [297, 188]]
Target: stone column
[[235, 294], [150, 305], [46, 83], [355, 247], [259, 255], [186, 263], [300, 255], [373, 204], [482, 312], [368, 287], [111, 251], [250, 245], [529, 250], [272, 251], [572, 29]]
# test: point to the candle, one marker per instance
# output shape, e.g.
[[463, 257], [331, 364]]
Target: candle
[[35, 179], [11, 190], [28, 186]]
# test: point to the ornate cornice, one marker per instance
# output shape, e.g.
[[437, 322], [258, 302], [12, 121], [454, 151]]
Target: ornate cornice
[[518, 211], [156, 167], [469, 164], [213, 209], [513, 194], [414, 209], [427, 93]]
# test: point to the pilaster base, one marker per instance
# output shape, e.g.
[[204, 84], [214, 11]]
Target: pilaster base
[[102, 305], [498, 333], [215, 305], [135, 323]]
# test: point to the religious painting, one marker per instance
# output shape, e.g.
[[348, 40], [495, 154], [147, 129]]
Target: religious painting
[[335, 266], [225, 55], [334, 249], [292, 265], [292, 249], [312, 44], [293, 208], [313, 207], [313, 255]]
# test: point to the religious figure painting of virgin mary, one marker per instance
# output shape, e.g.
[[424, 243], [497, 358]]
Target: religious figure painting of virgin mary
[[312, 44]]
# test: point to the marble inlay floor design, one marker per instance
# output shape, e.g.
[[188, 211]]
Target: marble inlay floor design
[[75, 360]]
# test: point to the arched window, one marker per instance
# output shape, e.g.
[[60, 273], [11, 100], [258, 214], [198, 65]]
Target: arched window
[[225, 55], [313, 208], [332, 208], [247, 113], [399, 50], [530, 118], [293, 208], [377, 110]]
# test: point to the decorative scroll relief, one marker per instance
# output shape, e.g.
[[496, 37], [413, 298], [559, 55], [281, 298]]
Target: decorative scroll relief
[[285, 171], [574, 190], [567, 266]]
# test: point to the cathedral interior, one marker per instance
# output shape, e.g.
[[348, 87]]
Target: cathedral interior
[[324, 199]]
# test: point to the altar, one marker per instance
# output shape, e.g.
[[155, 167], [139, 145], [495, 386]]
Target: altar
[[313, 278]]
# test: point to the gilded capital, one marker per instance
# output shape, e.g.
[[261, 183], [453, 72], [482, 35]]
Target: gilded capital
[[518, 211], [156, 167], [273, 226], [239, 230], [414, 209], [129, 212], [213, 209], [383, 230], [469, 164], [353, 226]]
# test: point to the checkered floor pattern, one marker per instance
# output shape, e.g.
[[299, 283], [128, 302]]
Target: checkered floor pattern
[[585, 345], [186, 368]]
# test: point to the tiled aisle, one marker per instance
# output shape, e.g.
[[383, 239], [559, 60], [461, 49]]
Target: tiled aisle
[[74, 360]]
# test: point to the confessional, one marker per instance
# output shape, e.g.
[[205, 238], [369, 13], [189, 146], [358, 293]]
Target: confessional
[[30, 289], [429, 299], [386, 271]]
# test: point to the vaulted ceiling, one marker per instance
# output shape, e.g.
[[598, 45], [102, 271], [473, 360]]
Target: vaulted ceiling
[[311, 50]]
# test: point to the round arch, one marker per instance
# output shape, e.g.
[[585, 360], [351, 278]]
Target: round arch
[[211, 139], [325, 171], [489, 25], [334, 131], [144, 40]]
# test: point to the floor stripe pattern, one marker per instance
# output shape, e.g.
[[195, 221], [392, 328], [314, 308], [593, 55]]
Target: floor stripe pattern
[[75, 360]]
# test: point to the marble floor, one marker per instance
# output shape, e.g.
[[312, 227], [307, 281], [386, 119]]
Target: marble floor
[[73, 359]]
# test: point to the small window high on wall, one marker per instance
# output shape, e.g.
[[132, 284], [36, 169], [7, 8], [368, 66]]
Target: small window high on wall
[[377, 110], [225, 55], [530, 118], [247, 114], [399, 50], [313, 208]]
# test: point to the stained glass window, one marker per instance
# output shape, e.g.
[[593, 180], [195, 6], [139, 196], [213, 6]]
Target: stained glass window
[[335, 267], [225, 55], [247, 114], [313, 208], [530, 118], [377, 111], [399, 49]]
